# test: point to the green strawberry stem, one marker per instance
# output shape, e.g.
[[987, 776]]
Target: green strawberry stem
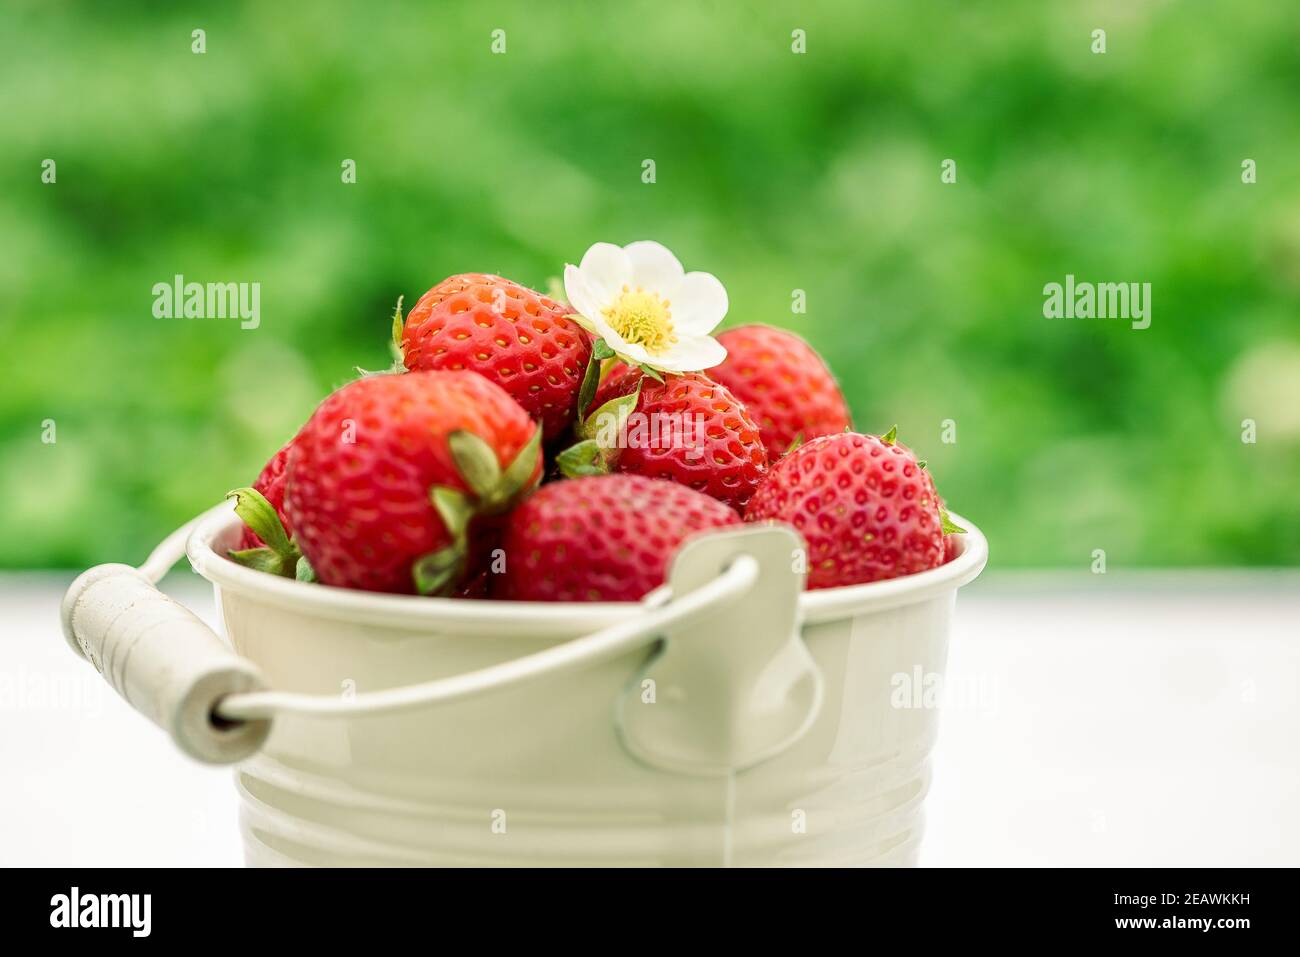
[[394, 346], [949, 527], [947, 524], [591, 377], [279, 555]]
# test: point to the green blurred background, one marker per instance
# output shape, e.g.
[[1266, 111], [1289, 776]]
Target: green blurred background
[[775, 171]]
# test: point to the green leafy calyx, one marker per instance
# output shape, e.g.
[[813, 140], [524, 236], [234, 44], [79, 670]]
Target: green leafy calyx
[[491, 491], [279, 555], [394, 346], [598, 438], [948, 525], [304, 572], [583, 458], [438, 572], [476, 462], [398, 324]]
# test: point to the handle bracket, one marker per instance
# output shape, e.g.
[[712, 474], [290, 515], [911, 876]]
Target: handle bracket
[[734, 688]]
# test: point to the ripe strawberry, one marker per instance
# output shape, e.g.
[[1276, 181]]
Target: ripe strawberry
[[785, 385], [686, 428], [389, 482], [517, 338], [270, 482], [866, 508], [601, 538]]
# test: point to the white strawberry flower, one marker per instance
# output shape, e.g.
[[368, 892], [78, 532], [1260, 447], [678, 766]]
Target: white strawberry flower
[[649, 311]]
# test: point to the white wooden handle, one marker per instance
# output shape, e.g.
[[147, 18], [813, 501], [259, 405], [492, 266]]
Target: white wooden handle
[[163, 660]]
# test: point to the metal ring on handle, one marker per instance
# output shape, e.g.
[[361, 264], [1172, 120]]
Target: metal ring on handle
[[613, 641]]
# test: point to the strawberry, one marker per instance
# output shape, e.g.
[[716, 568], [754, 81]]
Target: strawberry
[[270, 483], [601, 538], [517, 338], [785, 385], [867, 510], [686, 428], [392, 482]]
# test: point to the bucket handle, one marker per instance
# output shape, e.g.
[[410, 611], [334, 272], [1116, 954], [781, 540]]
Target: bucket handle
[[582, 652], [216, 706]]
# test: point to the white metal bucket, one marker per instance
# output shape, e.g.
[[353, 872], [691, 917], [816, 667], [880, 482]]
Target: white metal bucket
[[544, 772]]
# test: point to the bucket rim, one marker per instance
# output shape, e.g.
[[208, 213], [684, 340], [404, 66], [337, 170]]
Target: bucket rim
[[525, 618]]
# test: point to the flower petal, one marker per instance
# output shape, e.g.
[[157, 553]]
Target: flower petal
[[631, 353], [699, 305], [606, 269], [654, 268], [691, 355], [581, 297]]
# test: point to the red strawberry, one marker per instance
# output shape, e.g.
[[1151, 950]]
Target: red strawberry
[[517, 338], [387, 480], [601, 538], [866, 508], [687, 428], [271, 484], [785, 385]]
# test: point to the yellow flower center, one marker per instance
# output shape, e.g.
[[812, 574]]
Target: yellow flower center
[[642, 318]]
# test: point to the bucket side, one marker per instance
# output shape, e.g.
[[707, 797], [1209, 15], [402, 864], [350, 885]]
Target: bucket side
[[851, 792], [532, 774], [535, 774]]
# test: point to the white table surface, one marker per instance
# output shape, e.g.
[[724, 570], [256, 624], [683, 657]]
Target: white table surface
[[1141, 719]]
